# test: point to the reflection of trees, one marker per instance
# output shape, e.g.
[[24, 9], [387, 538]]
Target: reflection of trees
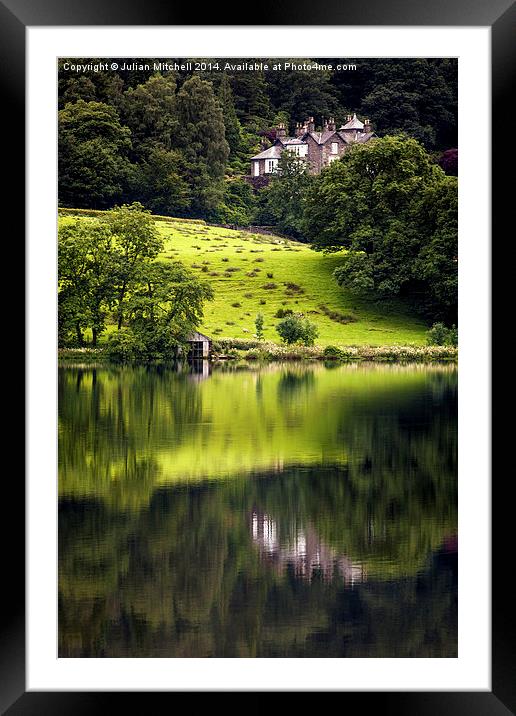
[[184, 578], [110, 421], [295, 381], [149, 571]]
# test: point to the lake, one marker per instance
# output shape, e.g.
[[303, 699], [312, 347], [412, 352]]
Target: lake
[[287, 510]]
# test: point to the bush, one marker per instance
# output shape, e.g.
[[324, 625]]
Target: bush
[[282, 312], [439, 335], [123, 346], [297, 329], [333, 353], [258, 322]]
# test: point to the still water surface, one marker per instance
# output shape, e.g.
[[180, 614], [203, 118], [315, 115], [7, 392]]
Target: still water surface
[[284, 511]]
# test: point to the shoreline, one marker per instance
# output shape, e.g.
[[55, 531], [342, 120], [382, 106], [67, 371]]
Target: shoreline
[[272, 353]]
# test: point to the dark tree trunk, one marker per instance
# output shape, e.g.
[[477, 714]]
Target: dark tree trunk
[[80, 339]]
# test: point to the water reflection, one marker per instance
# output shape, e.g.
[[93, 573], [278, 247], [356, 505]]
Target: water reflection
[[302, 553], [285, 511]]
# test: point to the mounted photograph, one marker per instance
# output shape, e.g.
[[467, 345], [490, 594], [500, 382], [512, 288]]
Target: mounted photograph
[[257, 357]]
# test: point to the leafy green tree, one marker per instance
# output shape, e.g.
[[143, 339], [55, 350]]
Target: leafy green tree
[[149, 110], [297, 329], [166, 304], [93, 155], [285, 198], [231, 122], [200, 136], [419, 100], [136, 241], [158, 182], [395, 212], [90, 86], [302, 93], [258, 322], [440, 335], [238, 205], [85, 279]]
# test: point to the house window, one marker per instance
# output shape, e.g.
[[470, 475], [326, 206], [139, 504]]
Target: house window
[[332, 158], [256, 168], [334, 147], [270, 165]]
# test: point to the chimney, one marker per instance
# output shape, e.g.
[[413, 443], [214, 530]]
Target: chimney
[[330, 124], [310, 124], [281, 132], [349, 118], [367, 126], [300, 129]]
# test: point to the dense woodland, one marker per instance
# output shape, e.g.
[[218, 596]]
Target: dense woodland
[[179, 143]]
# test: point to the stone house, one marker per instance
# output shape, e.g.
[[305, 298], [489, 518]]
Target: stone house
[[318, 149]]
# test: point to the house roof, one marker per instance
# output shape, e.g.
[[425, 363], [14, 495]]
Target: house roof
[[292, 140], [198, 337], [273, 152], [354, 123]]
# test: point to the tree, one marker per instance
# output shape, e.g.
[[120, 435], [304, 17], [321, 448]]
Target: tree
[[136, 242], [200, 137], [166, 304], [149, 110], [92, 154], [85, 280], [420, 100], [158, 182], [395, 212], [297, 329], [231, 123], [285, 197], [258, 322], [302, 93], [238, 205]]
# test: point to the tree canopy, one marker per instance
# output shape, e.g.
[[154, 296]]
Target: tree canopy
[[395, 212]]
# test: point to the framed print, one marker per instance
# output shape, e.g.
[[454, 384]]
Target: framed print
[[253, 260]]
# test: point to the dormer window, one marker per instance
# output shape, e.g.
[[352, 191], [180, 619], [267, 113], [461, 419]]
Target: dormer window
[[334, 147]]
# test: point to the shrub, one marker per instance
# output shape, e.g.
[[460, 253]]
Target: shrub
[[337, 315], [440, 335], [270, 275], [282, 312], [124, 346], [236, 304], [333, 353], [258, 322], [293, 287], [269, 286], [297, 329]]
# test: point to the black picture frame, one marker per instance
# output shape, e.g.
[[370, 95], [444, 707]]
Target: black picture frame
[[500, 16]]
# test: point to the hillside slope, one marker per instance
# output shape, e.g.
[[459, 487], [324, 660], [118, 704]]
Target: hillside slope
[[255, 273]]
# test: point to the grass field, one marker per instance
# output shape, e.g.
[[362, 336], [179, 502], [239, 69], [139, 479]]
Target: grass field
[[254, 273]]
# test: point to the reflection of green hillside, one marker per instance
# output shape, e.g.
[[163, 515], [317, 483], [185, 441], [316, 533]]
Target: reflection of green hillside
[[183, 578], [159, 477], [122, 432]]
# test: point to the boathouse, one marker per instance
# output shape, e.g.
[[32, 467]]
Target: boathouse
[[198, 346]]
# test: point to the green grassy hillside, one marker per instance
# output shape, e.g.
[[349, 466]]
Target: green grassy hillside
[[252, 273]]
